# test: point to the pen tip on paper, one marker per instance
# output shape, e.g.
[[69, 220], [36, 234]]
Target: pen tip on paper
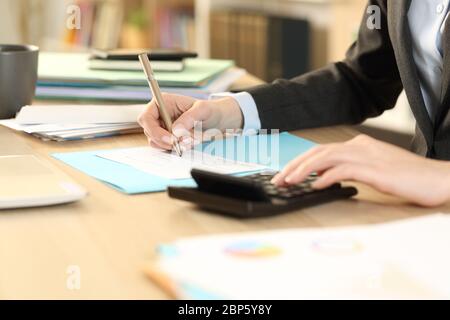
[[178, 149]]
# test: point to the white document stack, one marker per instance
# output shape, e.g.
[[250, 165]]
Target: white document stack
[[408, 259], [75, 122]]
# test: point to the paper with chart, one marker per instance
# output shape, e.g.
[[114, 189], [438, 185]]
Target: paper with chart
[[406, 259], [169, 165]]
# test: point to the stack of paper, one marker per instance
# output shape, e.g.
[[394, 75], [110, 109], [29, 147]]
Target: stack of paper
[[408, 259], [68, 76], [76, 122]]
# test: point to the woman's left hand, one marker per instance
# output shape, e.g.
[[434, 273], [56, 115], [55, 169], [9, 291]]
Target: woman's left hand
[[385, 167]]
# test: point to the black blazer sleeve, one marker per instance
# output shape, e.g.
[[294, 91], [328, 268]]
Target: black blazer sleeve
[[364, 85]]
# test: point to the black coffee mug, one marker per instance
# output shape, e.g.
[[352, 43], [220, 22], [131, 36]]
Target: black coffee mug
[[18, 77]]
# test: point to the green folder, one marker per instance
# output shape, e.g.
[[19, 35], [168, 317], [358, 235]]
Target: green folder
[[74, 68]]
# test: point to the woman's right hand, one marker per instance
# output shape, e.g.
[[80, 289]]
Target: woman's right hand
[[186, 113]]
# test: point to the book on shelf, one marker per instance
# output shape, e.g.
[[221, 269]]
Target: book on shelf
[[101, 23], [175, 26], [267, 46]]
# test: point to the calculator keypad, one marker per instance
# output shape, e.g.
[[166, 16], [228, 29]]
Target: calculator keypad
[[287, 192]]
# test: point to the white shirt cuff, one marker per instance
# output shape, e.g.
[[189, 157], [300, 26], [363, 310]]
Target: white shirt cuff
[[252, 123]]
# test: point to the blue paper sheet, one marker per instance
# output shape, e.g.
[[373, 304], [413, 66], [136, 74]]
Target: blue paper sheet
[[132, 181]]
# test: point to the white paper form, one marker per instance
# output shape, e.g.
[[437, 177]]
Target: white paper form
[[169, 165], [406, 259], [62, 128], [79, 114]]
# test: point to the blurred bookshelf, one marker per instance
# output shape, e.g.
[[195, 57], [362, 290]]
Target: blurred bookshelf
[[110, 24], [187, 24], [105, 24], [269, 47], [332, 27], [334, 23]]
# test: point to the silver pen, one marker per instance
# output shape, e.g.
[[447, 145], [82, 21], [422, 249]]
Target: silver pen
[[156, 91]]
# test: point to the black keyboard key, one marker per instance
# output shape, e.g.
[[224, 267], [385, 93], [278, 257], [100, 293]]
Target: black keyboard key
[[286, 192]]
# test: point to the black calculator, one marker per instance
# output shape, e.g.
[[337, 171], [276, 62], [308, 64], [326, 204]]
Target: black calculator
[[254, 195]]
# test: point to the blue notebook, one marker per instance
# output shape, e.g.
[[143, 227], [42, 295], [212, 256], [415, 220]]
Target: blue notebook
[[133, 181]]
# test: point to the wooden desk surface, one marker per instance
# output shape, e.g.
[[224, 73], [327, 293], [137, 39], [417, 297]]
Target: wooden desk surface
[[110, 236]]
